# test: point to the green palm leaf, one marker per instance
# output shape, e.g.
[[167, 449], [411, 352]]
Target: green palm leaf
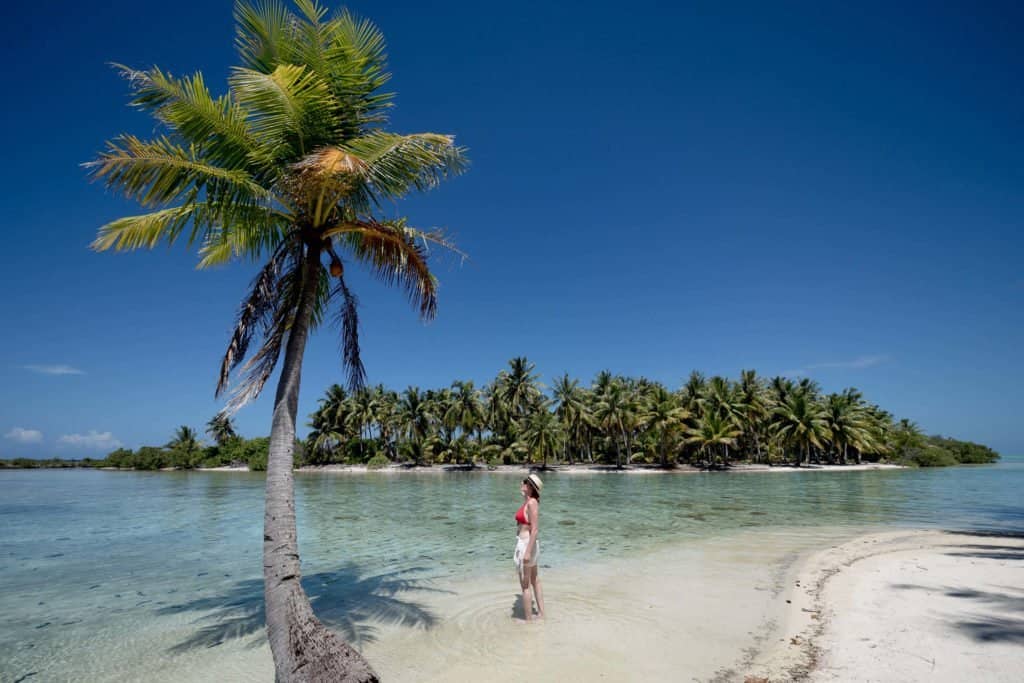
[[160, 171]]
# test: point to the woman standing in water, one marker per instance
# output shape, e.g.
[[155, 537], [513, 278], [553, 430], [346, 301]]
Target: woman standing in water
[[528, 547]]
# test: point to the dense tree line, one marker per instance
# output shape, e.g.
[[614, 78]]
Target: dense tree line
[[620, 421], [616, 421]]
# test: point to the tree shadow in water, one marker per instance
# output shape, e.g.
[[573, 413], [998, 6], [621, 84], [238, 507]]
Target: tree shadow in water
[[345, 600]]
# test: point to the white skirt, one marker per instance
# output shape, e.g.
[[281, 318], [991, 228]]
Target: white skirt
[[520, 552]]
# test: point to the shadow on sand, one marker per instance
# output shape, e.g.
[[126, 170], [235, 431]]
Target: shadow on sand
[[985, 626], [346, 600], [518, 612]]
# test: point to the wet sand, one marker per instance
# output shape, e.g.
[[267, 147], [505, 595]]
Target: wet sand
[[697, 611], [750, 606]]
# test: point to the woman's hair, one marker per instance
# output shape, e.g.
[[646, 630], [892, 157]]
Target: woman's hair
[[533, 489]]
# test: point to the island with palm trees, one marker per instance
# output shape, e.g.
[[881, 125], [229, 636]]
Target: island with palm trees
[[619, 422], [616, 424]]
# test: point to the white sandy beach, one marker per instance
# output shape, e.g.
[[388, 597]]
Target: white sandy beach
[[905, 606]]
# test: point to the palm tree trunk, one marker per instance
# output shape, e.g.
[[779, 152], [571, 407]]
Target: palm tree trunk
[[625, 441], [303, 648]]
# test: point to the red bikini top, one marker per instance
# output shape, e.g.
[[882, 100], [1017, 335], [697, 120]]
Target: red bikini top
[[521, 515]]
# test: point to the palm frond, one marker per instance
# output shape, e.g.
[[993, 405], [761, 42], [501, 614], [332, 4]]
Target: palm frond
[[348, 319], [397, 164], [275, 327], [396, 254], [256, 314], [247, 232], [263, 33], [289, 107], [355, 66], [160, 171], [186, 106], [144, 231]]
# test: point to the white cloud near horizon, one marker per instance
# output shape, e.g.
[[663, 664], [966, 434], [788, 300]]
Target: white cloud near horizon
[[22, 435], [54, 369], [858, 363], [93, 439]]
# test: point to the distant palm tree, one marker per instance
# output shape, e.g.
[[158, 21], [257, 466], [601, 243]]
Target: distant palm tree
[[906, 436], [386, 417], [753, 407], [543, 433], [693, 391], [667, 418], [221, 428], [848, 423], [363, 415], [414, 419], [800, 422], [572, 411], [520, 391], [610, 412], [497, 414], [289, 167], [714, 430], [466, 410], [186, 447]]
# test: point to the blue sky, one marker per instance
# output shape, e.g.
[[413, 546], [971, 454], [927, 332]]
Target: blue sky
[[655, 188]]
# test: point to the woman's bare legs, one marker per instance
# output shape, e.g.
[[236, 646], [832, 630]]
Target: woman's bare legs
[[524, 583], [535, 583]]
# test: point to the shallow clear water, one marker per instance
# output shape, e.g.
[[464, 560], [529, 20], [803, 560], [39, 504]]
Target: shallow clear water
[[130, 575]]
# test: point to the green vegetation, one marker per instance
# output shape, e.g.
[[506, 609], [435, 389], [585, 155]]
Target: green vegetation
[[620, 421], [708, 422], [913, 448], [50, 463], [186, 452], [378, 462]]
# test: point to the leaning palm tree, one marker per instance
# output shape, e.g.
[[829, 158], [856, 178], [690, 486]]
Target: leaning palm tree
[[289, 167]]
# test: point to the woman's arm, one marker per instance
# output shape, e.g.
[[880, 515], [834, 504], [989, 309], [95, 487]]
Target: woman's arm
[[533, 510]]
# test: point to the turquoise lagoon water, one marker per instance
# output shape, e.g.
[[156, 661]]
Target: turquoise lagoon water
[[135, 576]]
